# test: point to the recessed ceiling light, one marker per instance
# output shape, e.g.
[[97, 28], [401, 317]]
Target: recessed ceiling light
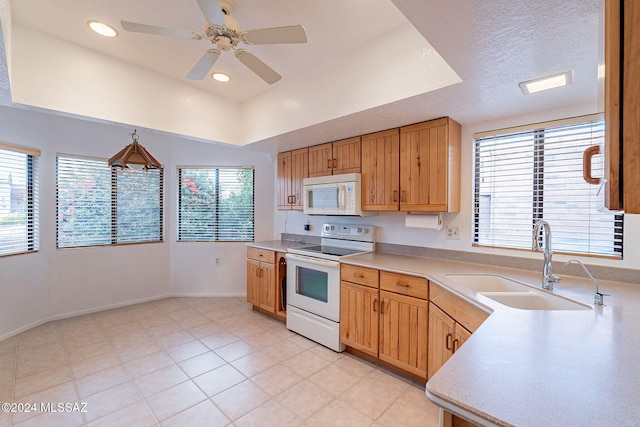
[[549, 82], [102, 29], [221, 77]]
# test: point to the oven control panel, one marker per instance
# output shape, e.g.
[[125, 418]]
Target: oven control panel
[[365, 233]]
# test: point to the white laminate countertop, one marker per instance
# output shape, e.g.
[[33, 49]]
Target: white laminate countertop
[[277, 245], [533, 367]]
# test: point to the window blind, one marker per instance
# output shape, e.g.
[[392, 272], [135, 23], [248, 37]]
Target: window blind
[[18, 199], [98, 205], [215, 204], [532, 174]]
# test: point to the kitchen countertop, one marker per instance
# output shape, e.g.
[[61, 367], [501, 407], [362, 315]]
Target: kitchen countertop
[[278, 245], [534, 367]]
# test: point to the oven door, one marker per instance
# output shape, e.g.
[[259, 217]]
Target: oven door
[[313, 285]]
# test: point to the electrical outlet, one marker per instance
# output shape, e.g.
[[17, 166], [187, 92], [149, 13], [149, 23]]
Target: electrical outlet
[[453, 233], [217, 260]]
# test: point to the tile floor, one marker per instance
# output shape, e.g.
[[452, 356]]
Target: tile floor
[[195, 362]]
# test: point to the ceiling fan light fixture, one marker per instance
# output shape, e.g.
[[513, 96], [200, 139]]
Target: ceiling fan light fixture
[[103, 29], [221, 77], [546, 83]]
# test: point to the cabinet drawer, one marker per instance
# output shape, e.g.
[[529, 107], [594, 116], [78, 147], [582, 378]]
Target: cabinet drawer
[[417, 287], [462, 311], [264, 255], [360, 275]]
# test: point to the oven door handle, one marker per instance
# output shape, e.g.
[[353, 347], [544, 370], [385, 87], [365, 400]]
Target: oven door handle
[[314, 261]]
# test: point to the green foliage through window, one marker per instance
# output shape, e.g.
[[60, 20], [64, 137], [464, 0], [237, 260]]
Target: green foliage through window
[[215, 204]]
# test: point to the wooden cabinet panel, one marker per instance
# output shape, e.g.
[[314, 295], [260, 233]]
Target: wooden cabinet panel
[[359, 307], [321, 160], [622, 105], [467, 314], [380, 171], [404, 284], [260, 254], [346, 156], [430, 166], [292, 168], [261, 279], [441, 331], [253, 282], [360, 275], [404, 332], [267, 287]]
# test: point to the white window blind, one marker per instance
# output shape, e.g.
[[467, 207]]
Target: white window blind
[[18, 199], [215, 204], [528, 174], [99, 205]]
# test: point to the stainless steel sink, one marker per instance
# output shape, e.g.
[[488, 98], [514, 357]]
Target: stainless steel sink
[[514, 294]]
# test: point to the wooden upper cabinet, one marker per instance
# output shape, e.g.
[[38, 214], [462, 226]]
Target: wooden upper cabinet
[[622, 105], [335, 157], [430, 166], [293, 167], [380, 171]]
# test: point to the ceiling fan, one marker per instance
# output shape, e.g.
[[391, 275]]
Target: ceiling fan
[[225, 33]]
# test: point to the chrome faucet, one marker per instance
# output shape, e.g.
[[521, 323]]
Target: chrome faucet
[[548, 279], [599, 297]]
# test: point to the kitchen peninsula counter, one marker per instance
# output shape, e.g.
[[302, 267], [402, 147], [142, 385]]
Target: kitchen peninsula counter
[[537, 367]]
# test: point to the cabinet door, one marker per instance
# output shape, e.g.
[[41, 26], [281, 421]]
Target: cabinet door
[[346, 156], [321, 160], [284, 181], [404, 332], [267, 287], [380, 171], [359, 306], [429, 166], [299, 171], [441, 336], [460, 336], [253, 282]]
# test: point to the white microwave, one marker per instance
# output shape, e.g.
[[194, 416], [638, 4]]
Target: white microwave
[[333, 195]]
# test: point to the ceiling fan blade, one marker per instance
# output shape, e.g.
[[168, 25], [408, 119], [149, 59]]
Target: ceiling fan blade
[[212, 11], [204, 64], [276, 35], [161, 31], [263, 71]]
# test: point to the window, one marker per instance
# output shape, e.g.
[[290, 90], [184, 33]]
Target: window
[[18, 199], [532, 173], [97, 205], [215, 204]]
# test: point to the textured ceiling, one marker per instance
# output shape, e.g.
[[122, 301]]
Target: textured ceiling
[[490, 45]]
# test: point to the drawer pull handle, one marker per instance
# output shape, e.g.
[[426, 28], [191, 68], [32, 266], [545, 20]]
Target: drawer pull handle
[[360, 275], [449, 342], [456, 345], [381, 307], [328, 163], [404, 285], [375, 305]]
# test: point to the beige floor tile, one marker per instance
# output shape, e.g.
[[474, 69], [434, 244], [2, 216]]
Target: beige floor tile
[[219, 380], [337, 414], [137, 350], [234, 351], [284, 350], [59, 394], [200, 364], [333, 379], [181, 314], [261, 340], [54, 419], [355, 365], [187, 350], [219, 339], [415, 394], [74, 339], [8, 345], [203, 414], [205, 329], [125, 340], [370, 397], [304, 398], [101, 380], [327, 353], [136, 415], [240, 399], [95, 364], [176, 399], [89, 351], [111, 400], [160, 319], [254, 363], [271, 414], [160, 380], [41, 381], [402, 413], [276, 379], [307, 363], [163, 330], [196, 319], [149, 363]]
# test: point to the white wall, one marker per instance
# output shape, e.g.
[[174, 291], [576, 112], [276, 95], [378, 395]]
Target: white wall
[[391, 224], [55, 283]]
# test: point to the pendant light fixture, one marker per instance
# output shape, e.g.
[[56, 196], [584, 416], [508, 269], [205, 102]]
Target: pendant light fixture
[[134, 156]]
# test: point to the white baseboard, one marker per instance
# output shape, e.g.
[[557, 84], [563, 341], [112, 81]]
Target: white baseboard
[[112, 306]]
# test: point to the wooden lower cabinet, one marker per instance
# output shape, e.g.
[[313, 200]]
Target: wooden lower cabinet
[[445, 337], [264, 275], [359, 306], [403, 332]]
